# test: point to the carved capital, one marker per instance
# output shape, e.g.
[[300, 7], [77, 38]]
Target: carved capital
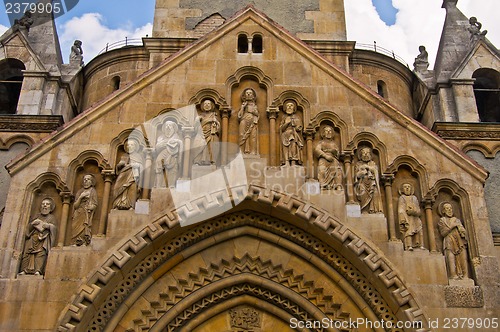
[[387, 179], [347, 157], [309, 133], [66, 197], [188, 132], [225, 112], [108, 175], [272, 112], [428, 202]]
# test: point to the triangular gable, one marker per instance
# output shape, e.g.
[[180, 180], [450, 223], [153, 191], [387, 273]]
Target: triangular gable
[[467, 59], [18, 36], [295, 44]]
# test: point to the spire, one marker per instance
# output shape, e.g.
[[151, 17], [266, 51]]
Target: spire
[[43, 38], [455, 41]]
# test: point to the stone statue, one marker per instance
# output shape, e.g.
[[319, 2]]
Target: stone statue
[[454, 242], [248, 116], [422, 60], [40, 238], [128, 170], [169, 149], [366, 182], [25, 21], [76, 55], [84, 208], [292, 143], [329, 169], [475, 29], [409, 218], [210, 127]]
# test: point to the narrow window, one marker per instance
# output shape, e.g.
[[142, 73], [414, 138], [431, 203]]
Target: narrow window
[[115, 83], [242, 44], [487, 94], [257, 44], [11, 80], [382, 89]]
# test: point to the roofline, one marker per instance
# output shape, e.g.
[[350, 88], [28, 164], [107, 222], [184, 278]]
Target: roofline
[[286, 37]]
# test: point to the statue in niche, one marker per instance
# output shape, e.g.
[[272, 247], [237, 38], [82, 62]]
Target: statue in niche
[[329, 169], [40, 238], [366, 184], [248, 115], [475, 29], [128, 171], [422, 59], [169, 149], [454, 242], [84, 208], [292, 143], [210, 127], [76, 55], [409, 218]]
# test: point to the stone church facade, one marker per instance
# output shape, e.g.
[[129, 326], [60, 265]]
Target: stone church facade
[[247, 168]]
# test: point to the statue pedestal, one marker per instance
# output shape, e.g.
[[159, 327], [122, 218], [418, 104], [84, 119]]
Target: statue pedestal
[[142, 206], [353, 210], [332, 201], [255, 168], [463, 294], [122, 222], [286, 179], [372, 226], [210, 192]]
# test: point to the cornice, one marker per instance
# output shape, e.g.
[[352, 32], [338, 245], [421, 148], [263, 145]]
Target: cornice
[[30, 123], [467, 130]]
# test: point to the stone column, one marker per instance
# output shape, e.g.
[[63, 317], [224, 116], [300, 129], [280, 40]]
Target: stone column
[[309, 134], [347, 159], [108, 175], [147, 181], [188, 133], [66, 200], [429, 225], [463, 93], [225, 115], [272, 114], [388, 179]]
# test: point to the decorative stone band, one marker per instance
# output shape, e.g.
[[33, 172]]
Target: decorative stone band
[[30, 123], [97, 292]]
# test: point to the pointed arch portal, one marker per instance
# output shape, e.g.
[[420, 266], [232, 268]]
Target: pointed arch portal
[[272, 263]]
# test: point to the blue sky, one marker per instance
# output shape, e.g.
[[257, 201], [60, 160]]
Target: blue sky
[[385, 11], [139, 12]]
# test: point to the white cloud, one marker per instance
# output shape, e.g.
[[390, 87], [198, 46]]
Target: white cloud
[[3, 28], [91, 30], [417, 23]]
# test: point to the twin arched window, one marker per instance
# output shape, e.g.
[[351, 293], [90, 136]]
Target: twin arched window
[[250, 45]]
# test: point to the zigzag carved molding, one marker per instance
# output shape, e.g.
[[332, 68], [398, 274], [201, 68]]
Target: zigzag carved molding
[[76, 314]]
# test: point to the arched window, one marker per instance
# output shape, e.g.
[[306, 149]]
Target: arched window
[[257, 44], [11, 80], [115, 82], [382, 88], [487, 93], [242, 44]]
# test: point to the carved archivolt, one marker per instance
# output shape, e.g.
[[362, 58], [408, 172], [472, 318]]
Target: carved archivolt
[[487, 151], [385, 290], [414, 166], [5, 145], [248, 276]]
